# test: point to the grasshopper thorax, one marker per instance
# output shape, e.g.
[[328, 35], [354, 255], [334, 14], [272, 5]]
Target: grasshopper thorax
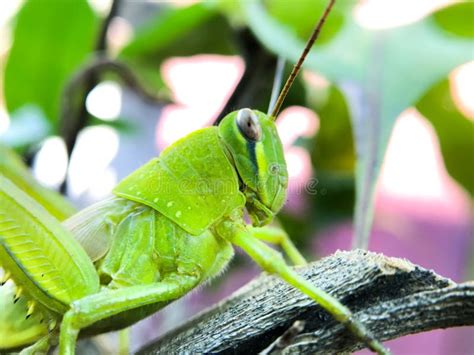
[[252, 141]]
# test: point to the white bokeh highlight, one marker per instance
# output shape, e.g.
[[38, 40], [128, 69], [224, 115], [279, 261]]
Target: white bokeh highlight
[[383, 14], [89, 168], [200, 85], [105, 101], [413, 170], [4, 120], [50, 163], [462, 88]]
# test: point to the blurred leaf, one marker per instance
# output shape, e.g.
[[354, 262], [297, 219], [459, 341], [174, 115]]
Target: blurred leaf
[[123, 125], [302, 16], [457, 19], [297, 228], [231, 9], [332, 201], [381, 73], [50, 40], [333, 157], [297, 94], [12, 167], [177, 32], [335, 199], [28, 126], [333, 147], [169, 26], [455, 133]]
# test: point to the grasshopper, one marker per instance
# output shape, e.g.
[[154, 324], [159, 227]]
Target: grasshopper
[[170, 226]]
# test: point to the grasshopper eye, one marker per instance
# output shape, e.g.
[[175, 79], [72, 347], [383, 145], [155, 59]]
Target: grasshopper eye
[[248, 124]]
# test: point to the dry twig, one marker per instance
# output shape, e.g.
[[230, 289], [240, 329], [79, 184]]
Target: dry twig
[[391, 296]]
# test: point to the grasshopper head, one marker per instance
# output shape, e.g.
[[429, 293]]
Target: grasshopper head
[[253, 142]]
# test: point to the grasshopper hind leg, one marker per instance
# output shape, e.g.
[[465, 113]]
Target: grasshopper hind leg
[[103, 305], [21, 321], [272, 262]]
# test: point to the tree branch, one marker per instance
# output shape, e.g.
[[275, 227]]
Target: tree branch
[[101, 65], [74, 114], [391, 296]]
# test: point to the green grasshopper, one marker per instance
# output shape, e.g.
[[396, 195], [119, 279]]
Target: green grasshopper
[[170, 227]]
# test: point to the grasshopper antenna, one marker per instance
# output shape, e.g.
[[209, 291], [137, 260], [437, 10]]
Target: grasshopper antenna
[[298, 65]]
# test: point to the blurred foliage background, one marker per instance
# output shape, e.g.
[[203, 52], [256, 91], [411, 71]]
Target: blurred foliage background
[[90, 90]]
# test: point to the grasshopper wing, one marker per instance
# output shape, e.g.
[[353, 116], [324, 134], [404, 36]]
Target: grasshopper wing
[[95, 226]]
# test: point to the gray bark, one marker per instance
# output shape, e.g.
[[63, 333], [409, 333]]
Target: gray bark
[[391, 296]]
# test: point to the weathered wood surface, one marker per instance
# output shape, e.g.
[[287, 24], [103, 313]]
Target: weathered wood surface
[[391, 296]]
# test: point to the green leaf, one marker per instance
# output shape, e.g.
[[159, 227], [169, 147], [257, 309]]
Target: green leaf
[[457, 19], [333, 157], [301, 16], [381, 73], [177, 32], [333, 149], [455, 133], [122, 125], [334, 201], [50, 40], [169, 26]]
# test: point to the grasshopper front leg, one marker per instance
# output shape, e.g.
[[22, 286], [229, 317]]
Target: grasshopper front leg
[[124, 341], [279, 237], [272, 262]]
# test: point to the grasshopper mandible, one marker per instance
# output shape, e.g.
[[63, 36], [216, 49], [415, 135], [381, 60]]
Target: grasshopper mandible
[[170, 226]]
